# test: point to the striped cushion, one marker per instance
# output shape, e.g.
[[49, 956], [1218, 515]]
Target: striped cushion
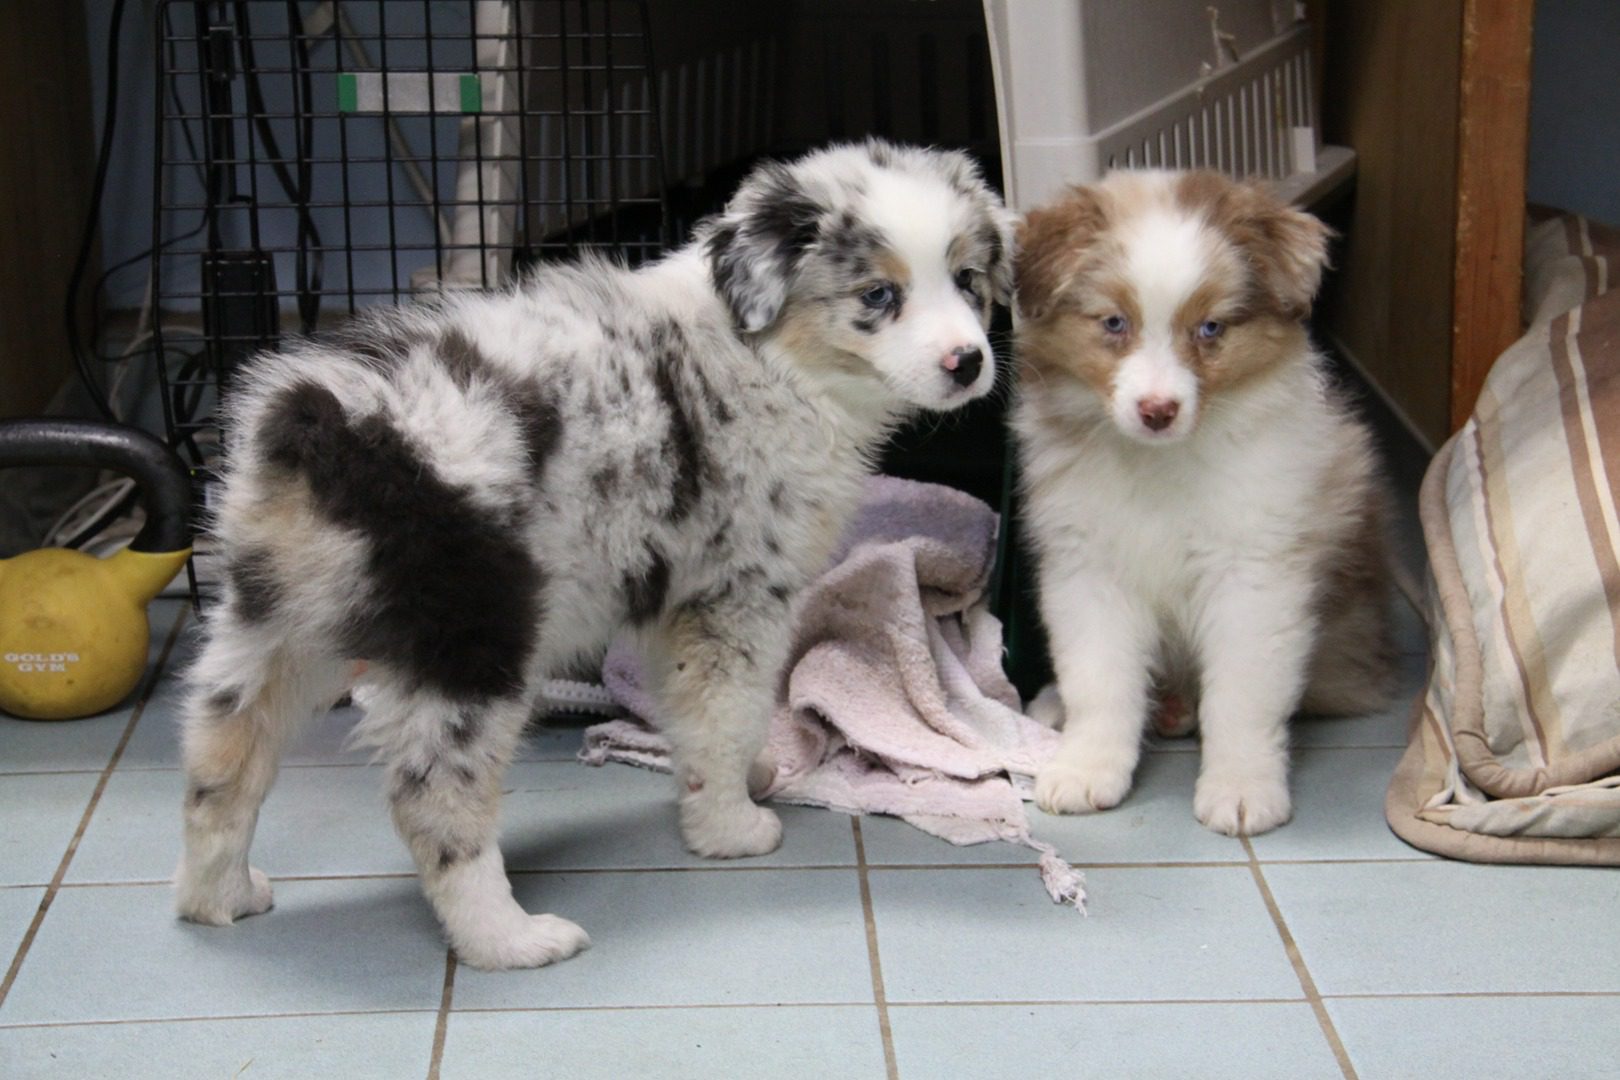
[[1515, 752]]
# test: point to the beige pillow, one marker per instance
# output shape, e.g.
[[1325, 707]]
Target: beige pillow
[[1515, 752]]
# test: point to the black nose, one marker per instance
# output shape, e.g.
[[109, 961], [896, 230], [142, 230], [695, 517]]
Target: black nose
[[968, 362]]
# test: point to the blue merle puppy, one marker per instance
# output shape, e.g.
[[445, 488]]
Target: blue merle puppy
[[449, 503]]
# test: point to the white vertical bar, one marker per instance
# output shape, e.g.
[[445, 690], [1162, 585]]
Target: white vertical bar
[[1242, 148]]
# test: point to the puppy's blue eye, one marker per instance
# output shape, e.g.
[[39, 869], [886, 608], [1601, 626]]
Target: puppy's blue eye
[[1116, 324], [878, 296], [1209, 330]]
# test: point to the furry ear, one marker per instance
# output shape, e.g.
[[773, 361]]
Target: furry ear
[[1287, 249], [999, 225], [1293, 250], [1006, 225], [1052, 243], [757, 243]]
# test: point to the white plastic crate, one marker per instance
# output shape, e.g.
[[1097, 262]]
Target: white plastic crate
[[1084, 86]]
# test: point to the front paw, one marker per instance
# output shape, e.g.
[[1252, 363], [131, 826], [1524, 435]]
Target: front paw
[[730, 829], [1237, 803], [1065, 788], [534, 941]]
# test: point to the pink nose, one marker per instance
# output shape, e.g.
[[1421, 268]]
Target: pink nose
[[963, 363], [1157, 413]]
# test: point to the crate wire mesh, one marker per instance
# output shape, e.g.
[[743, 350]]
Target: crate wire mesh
[[318, 159]]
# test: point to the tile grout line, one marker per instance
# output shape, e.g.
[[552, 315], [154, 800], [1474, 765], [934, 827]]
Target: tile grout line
[[404, 875], [986, 1003], [879, 997], [219, 1019], [90, 809], [1301, 972], [441, 1025]]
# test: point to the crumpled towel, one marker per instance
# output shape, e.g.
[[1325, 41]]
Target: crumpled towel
[[895, 700]]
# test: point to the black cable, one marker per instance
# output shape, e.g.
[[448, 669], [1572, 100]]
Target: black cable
[[309, 285], [183, 406], [146, 253], [96, 525], [302, 105], [98, 396]]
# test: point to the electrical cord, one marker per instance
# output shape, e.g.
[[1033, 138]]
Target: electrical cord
[[94, 514], [304, 148], [186, 393], [309, 269], [84, 519], [195, 158], [81, 263], [105, 400]]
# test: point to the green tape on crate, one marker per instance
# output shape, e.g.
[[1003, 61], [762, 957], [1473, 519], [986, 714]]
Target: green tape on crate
[[348, 93], [472, 94]]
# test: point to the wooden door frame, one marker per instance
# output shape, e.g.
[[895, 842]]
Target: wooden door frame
[[1492, 144]]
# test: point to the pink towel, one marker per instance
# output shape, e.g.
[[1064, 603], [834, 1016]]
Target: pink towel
[[895, 701]]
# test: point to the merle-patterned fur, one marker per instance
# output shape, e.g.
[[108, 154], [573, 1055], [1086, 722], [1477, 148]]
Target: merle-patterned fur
[[445, 504]]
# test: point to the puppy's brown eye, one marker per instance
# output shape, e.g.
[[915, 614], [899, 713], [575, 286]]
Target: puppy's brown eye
[[1115, 324], [964, 280]]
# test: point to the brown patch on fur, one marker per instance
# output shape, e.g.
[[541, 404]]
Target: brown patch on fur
[[1245, 350], [1067, 283], [1286, 248], [1221, 297], [1107, 293], [798, 331], [802, 331], [1071, 344], [1250, 343], [1353, 666], [891, 267], [1052, 244], [1060, 332]]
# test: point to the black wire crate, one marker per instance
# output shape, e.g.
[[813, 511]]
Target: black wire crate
[[318, 159]]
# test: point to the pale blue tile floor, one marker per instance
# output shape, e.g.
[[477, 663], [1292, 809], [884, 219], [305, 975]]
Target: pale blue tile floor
[[1325, 949]]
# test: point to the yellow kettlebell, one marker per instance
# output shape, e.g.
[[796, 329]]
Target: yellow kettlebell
[[73, 629]]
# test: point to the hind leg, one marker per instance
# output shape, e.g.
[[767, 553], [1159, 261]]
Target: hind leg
[[447, 760], [1352, 669], [1353, 663], [1175, 715], [242, 707], [1176, 686]]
